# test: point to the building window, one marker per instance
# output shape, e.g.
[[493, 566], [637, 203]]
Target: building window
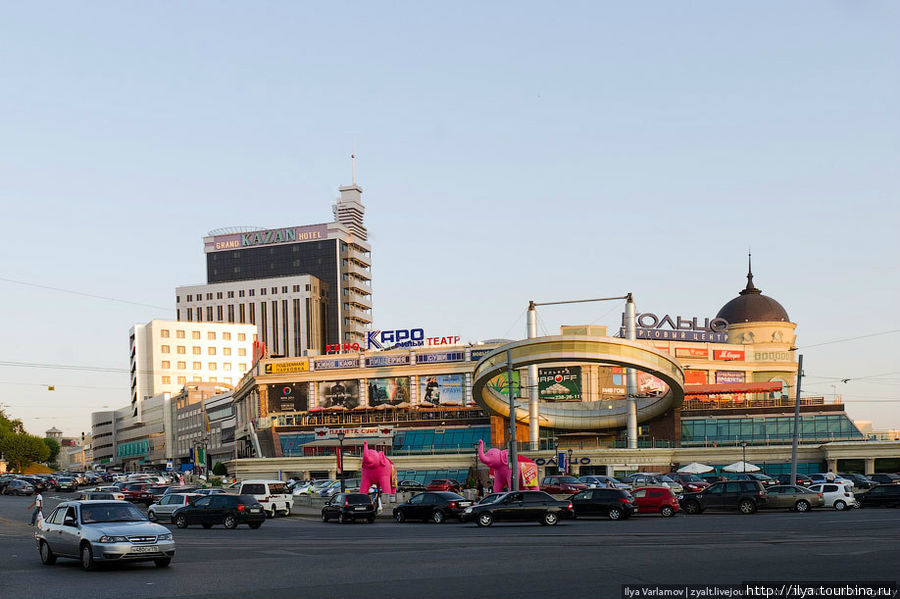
[[226, 336], [242, 336], [211, 366], [166, 364], [190, 298], [242, 351], [181, 365], [196, 350], [211, 351], [240, 293], [197, 379], [198, 365], [230, 313], [284, 289], [243, 367], [166, 380], [228, 379], [195, 334], [190, 314], [164, 349], [212, 379], [262, 291], [164, 333], [296, 288], [180, 349], [209, 296], [226, 366], [252, 292], [179, 334], [252, 313], [241, 314], [274, 290], [219, 313], [209, 314], [219, 295], [211, 335], [226, 351]]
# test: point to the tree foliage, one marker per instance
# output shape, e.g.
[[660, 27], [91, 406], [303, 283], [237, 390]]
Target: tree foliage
[[18, 447], [219, 469], [53, 446]]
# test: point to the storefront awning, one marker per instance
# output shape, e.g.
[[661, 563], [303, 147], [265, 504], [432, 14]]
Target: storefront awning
[[722, 388]]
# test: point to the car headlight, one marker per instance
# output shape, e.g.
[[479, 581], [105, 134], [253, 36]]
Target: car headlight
[[165, 537], [112, 539]]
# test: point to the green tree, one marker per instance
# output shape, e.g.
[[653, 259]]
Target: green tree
[[219, 469], [18, 447], [53, 446]]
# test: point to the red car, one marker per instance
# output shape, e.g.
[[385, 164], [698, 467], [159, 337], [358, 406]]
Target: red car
[[656, 500], [444, 484], [690, 482], [562, 485], [138, 493]]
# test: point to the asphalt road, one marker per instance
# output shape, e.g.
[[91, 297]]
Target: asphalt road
[[298, 557]]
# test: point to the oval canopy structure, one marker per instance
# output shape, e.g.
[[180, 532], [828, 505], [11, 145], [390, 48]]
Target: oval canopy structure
[[592, 415]]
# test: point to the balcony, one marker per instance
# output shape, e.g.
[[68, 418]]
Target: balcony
[[356, 313], [359, 271], [357, 299], [358, 256], [357, 284]]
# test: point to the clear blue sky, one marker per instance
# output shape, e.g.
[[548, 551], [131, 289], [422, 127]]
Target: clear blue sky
[[507, 151]]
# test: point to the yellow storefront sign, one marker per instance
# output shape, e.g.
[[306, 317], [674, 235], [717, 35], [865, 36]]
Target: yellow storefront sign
[[287, 367]]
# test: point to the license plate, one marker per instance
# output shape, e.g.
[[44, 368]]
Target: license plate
[[465, 503], [360, 508], [144, 550], [256, 510]]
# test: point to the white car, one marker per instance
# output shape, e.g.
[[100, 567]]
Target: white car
[[162, 509], [838, 496], [271, 494]]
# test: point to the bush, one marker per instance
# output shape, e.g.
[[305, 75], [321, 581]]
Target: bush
[[219, 469]]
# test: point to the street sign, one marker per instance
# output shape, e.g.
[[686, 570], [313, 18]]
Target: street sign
[[561, 462], [169, 465]]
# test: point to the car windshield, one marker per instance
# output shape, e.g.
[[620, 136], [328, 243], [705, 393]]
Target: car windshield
[[691, 478], [111, 512], [568, 479], [666, 479], [491, 499]]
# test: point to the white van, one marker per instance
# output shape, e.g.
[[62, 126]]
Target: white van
[[271, 494]]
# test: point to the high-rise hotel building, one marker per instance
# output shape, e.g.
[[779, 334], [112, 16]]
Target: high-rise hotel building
[[303, 287]]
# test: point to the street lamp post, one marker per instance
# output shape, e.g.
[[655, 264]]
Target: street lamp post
[[744, 456], [569, 463], [340, 437]]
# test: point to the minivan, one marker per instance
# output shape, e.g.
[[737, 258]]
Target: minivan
[[271, 494]]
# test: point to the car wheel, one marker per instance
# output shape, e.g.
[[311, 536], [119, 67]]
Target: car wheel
[[163, 562], [399, 516], [840, 505], [692, 507], [87, 557], [230, 521], [802, 506], [47, 557], [615, 513], [324, 516], [255, 525], [549, 519], [747, 506], [667, 511], [181, 521], [485, 519], [151, 515], [437, 516]]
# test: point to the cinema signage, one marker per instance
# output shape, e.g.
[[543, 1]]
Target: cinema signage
[[679, 328], [406, 338], [337, 348]]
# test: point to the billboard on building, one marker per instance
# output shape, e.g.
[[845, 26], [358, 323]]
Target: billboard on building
[[391, 391], [729, 376], [695, 377], [288, 397], [339, 394], [560, 384], [611, 380], [649, 385], [443, 389]]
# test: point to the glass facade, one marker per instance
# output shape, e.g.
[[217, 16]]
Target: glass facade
[[426, 476], [456, 440], [317, 258], [820, 428]]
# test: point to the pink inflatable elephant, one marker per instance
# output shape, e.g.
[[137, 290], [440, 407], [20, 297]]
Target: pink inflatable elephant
[[498, 460], [378, 469]]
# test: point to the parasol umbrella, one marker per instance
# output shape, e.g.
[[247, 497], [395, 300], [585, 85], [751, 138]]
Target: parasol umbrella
[[695, 468], [741, 467]]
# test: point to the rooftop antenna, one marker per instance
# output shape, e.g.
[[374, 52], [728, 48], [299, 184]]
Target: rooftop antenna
[[353, 164]]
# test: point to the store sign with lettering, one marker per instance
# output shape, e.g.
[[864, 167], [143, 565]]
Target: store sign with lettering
[[691, 352], [337, 363], [387, 361], [476, 354], [728, 355], [406, 338], [236, 241], [355, 433], [678, 328], [773, 356], [287, 367], [729, 376], [449, 356], [338, 348]]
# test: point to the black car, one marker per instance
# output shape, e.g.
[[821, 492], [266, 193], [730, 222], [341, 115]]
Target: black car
[[765, 479], [614, 504], [802, 480], [520, 506], [157, 491], [229, 510], [745, 496], [347, 507], [435, 506], [64, 483], [860, 482], [880, 496], [410, 485], [885, 478]]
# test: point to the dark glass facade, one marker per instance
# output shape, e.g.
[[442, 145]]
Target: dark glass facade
[[820, 428], [316, 258]]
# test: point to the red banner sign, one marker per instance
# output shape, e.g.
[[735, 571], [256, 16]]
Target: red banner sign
[[728, 354], [691, 352]]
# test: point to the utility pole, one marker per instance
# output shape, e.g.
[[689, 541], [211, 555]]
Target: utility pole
[[534, 435], [513, 457], [631, 376], [796, 438]]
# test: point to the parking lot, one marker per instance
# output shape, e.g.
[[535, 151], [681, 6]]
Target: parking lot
[[300, 555]]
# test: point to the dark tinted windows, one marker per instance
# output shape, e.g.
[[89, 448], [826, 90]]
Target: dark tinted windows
[[358, 499], [253, 489]]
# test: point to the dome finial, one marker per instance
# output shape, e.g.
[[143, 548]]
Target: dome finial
[[750, 287]]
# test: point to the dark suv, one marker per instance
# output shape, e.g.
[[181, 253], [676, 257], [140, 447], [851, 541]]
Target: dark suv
[[880, 496], [229, 510], [347, 507], [615, 504], [743, 495], [520, 506]]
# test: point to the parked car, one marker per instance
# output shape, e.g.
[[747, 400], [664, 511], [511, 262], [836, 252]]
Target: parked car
[[656, 500], [885, 478], [210, 491], [410, 485], [614, 504], [444, 484], [836, 495], [330, 489], [271, 494], [138, 493], [880, 496], [520, 506], [180, 489], [599, 481], [434, 506], [859, 481], [802, 479], [18, 487], [562, 485], [746, 496], [347, 507], [765, 479], [646, 479], [822, 477], [102, 531], [167, 504], [792, 497], [689, 482], [225, 509], [100, 496]]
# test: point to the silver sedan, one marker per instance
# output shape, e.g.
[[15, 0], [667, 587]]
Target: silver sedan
[[102, 531]]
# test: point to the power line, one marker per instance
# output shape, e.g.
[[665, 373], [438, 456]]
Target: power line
[[851, 339], [105, 369], [58, 386], [83, 294]]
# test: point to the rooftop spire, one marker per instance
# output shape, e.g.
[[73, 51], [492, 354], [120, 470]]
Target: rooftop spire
[[750, 287]]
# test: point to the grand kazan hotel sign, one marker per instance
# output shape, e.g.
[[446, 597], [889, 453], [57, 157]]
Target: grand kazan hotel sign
[[679, 328]]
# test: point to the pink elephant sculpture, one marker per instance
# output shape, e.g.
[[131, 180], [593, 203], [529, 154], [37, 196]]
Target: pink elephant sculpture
[[498, 460], [378, 469]]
